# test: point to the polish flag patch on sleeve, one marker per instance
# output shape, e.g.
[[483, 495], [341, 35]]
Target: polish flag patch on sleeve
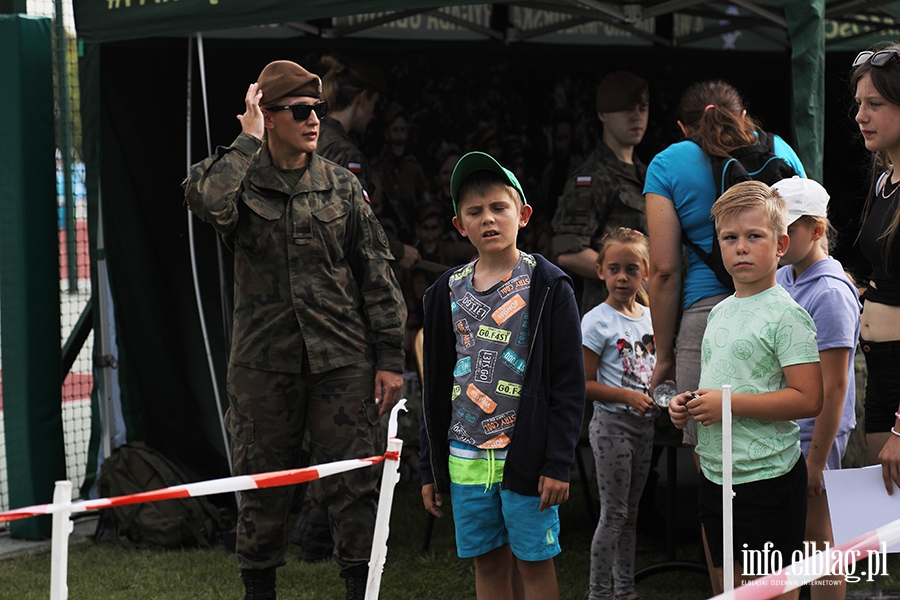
[[366, 196], [354, 168], [583, 180]]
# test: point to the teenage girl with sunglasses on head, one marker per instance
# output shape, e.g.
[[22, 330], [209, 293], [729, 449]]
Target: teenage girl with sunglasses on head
[[621, 429], [875, 82]]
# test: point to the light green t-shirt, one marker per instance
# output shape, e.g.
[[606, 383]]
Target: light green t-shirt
[[746, 344]]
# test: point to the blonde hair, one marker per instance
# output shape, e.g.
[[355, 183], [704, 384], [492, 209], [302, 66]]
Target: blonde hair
[[628, 236], [752, 194], [828, 241]]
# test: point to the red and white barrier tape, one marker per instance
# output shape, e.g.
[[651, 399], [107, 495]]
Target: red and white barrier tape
[[814, 567], [204, 488]]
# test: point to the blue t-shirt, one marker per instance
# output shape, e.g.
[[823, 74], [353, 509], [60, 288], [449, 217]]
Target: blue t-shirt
[[682, 173], [833, 303]]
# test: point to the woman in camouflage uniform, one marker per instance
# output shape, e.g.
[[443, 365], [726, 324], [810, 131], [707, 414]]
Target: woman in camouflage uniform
[[318, 320]]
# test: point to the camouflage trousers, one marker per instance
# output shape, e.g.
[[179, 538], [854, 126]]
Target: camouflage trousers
[[267, 417]]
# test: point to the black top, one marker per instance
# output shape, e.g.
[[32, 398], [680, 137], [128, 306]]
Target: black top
[[885, 262]]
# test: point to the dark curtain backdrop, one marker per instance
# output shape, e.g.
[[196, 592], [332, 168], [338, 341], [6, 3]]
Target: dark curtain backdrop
[[447, 89]]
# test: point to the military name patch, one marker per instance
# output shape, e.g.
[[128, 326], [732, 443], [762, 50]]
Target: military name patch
[[582, 180]]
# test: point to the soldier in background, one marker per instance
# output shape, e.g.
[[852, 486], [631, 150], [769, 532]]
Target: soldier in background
[[563, 159], [404, 185], [446, 156], [352, 91], [318, 321], [607, 190]]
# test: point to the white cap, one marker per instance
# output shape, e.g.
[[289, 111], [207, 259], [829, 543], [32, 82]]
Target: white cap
[[803, 197]]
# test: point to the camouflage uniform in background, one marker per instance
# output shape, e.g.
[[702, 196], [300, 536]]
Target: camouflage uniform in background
[[336, 145], [317, 311], [404, 188], [601, 194]]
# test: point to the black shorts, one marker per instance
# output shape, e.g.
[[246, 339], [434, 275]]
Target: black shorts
[[768, 511], [882, 384]]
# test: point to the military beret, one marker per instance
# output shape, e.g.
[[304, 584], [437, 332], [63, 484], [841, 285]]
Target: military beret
[[620, 90], [283, 78], [430, 209], [393, 111]]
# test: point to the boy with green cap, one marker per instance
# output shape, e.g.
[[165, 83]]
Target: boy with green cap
[[503, 390]]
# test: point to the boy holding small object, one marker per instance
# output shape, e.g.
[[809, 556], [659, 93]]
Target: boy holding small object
[[764, 344]]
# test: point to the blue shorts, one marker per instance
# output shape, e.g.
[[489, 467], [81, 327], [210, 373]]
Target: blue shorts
[[487, 517]]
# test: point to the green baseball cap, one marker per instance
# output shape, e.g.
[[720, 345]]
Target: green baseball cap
[[479, 161]]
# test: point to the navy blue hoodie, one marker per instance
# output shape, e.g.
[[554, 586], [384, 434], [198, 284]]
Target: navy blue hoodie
[[551, 407]]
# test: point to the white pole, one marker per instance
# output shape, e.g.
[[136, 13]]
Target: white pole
[[62, 527], [727, 493], [190, 223], [389, 478]]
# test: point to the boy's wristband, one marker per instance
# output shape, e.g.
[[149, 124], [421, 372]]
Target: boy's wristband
[[895, 432]]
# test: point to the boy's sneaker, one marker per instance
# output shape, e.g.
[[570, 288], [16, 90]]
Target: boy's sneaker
[[259, 584]]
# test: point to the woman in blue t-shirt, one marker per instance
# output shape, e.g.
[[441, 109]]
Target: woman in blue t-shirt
[[680, 190]]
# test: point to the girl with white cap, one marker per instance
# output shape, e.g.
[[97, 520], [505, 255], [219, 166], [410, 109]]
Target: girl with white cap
[[818, 283]]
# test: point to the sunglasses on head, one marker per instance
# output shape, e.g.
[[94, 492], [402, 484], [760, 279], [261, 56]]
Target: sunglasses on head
[[878, 59], [302, 111]]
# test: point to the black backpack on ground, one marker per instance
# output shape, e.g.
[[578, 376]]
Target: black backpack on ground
[[756, 162], [134, 468]]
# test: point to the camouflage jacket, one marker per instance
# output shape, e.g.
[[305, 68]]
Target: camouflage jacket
[[601, 194], [311, 265], [336, 145], [403, 189]]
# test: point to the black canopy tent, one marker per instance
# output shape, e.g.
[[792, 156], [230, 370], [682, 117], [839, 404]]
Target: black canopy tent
[[134, 99]]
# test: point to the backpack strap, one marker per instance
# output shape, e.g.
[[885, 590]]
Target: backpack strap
[[700, 252], [718, 165]]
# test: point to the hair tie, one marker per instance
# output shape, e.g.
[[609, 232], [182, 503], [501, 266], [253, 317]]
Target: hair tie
[[709, 106]]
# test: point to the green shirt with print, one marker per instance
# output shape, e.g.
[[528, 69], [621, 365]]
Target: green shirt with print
[[747, 343]]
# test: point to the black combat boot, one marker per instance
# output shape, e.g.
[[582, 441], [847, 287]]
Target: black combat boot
[[313, 536], [259, 584], [355, 577]]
